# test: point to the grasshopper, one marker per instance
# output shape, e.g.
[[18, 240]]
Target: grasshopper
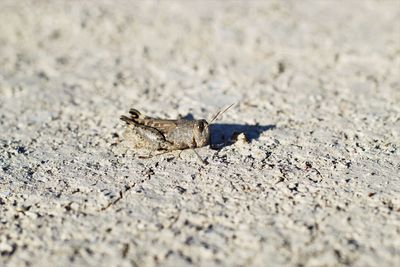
[[163, 135]]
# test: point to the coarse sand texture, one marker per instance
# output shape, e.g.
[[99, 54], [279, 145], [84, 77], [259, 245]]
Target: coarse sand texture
[[304, 170]]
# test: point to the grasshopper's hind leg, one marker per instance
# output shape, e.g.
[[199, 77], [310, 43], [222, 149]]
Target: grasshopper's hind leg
[[146, 137]]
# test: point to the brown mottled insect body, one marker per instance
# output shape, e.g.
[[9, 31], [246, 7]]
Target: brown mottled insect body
[[164, 135]]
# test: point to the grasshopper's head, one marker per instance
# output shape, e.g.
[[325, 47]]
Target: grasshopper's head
[[201, 133]]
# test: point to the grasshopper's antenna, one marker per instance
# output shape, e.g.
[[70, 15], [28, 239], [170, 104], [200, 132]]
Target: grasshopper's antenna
[[220, 113]]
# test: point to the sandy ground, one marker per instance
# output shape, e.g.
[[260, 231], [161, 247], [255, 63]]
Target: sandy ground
[[317, 87]]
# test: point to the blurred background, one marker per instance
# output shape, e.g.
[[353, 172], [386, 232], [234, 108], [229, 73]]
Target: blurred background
[[174, 57]]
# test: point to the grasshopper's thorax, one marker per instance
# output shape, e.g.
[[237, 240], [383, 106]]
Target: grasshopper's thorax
[[201, 133]]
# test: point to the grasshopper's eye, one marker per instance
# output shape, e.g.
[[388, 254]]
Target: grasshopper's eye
[[200, 126]]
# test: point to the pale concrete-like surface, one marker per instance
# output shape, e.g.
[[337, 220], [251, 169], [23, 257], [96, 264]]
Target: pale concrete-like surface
[[318, 91]]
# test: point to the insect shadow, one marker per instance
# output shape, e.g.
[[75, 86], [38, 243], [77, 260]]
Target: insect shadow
[[221, 135]]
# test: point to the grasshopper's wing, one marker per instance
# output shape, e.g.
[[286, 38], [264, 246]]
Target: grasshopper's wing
[[163, 126], [148, 132]]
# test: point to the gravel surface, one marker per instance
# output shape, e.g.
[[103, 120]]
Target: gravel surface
[[317, 87]]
